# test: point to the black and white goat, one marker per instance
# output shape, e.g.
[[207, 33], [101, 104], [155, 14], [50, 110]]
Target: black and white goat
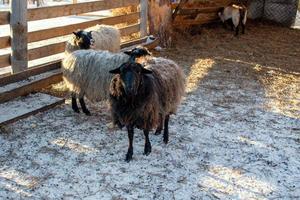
[[236, 15]]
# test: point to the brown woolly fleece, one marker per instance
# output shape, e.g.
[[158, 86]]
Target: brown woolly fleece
[[159, 94]]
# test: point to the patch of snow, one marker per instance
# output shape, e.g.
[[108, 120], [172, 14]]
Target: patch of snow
[[224, 144], [22, 106]]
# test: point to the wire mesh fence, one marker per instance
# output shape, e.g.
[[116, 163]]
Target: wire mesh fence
[[280, 11]]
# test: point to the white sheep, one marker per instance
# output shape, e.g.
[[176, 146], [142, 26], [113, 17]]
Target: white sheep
[[99, 37], [86, 73]]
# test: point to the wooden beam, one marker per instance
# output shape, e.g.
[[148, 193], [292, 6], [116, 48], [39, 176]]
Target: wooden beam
[[46, 50], [4, 17], [4, 42], [11, 113], [133, 42], [143, 17], [74, 9], [39, 82], [59, 47], [12, 78], [65, 30], [18, 29], [130, 29], [68, 29], [4, 60]]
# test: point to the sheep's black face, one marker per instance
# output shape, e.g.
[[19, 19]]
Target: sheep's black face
[[83, 39], [131, 76], [137, 52]]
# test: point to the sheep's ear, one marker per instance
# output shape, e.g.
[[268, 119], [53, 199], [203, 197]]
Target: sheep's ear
[[76, 34], [115, 71], [146, 71], [128, 52]]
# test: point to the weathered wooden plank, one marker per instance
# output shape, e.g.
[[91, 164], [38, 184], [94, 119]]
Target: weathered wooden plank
[[4, 42], [46, 50], [74, 9], [12, 78], [130, 29], [65, 30], [141, 41], [4, 17], [125, 45], [4, 60], [35, 84], [59, 47], [143, 17], [21, 108], [18, 26], [192, 11]]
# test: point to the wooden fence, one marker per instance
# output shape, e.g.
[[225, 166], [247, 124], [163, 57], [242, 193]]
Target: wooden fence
[[186, 14], [19, 16]]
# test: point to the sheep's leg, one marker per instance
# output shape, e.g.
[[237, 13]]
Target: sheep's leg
[[160, 126], [237, 31], [243, 28], [74, 103], [166, 130], [130, 148], [147, 149], [83, 106], [232, 26]]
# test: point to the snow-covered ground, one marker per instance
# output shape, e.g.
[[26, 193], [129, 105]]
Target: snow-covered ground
[[230, 150], [235, 136]]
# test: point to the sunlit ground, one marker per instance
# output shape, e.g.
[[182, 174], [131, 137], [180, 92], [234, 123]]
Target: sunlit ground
[[235, 136]]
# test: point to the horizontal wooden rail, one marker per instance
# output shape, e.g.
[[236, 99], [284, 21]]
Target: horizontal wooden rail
[[59, 47], [12, 78], [65, 30], [130, 29], [199, 10], [4, 17], [68, 29], [4, 42], [46, 50], [79, 8], [4, 60]]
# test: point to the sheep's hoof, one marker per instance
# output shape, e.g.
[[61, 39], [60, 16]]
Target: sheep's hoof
[[157, 132], [88, 113], [147, 150], [76, 110], [166, 140], [129, 156]]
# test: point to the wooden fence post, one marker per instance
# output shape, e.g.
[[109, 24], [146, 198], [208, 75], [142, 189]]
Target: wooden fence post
[[18, 31], [143, 17], [160, 21]]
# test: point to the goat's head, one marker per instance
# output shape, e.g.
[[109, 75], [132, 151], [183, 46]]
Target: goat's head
[[131, 75], [83, 39], [221, 14]]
